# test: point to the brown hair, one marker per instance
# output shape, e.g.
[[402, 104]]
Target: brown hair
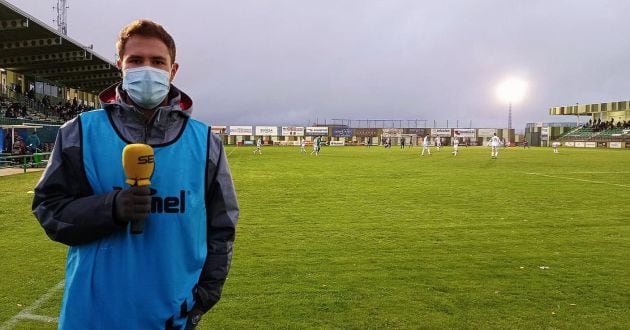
[[145, 28]]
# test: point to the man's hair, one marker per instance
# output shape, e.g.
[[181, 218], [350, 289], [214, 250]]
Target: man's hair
[[145, 28]]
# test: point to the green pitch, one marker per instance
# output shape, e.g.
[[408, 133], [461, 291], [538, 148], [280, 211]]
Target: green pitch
[[383, 238]]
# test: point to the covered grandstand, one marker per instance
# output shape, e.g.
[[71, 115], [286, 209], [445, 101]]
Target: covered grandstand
[[607, 126], [45, 76]]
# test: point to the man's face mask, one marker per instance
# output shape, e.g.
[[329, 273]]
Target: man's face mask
[[146, 86]]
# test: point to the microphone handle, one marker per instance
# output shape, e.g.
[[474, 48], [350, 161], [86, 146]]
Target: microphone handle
[[137, 226]]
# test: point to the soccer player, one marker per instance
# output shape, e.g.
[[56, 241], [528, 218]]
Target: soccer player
[[555, 146], [455, 146], [494, 143], [258, 146], [438, 142], [316, 145], [426, 142], [303, 146]]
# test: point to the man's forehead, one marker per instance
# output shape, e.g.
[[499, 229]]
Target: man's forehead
[[145, 47]]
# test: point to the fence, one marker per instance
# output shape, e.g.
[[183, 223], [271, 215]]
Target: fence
[[39, 159]]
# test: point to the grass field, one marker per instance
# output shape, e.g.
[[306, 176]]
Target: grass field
[[382, 238]]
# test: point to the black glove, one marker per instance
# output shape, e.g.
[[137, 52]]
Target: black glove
[[193, 319], [133, 204]]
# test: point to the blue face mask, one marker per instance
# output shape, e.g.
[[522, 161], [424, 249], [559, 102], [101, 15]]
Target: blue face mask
[[146, 86]]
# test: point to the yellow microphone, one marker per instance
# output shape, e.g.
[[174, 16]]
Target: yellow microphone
[[138, 161]]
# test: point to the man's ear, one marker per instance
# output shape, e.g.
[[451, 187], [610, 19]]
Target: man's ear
[[174, 69]]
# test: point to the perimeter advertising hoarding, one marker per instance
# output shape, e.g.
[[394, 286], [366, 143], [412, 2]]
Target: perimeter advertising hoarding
[[464, 132], [486, 132], [341, 132], [615, 145], [317, 131], [569, 144], [579, 144], [441, 131], [241, 130], [292, 131], [267, 130], [221, 130], [590, 144], [365, 132], [392, 132], [417, 131]]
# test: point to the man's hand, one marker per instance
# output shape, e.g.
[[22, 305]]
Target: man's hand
[[132, 204], [193, 319]]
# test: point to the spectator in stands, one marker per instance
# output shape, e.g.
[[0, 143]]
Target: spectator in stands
[[173, 272], [33, 143], [31, 93]]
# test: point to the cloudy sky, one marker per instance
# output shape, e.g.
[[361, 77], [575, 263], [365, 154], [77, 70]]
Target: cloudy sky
[[275, 62]]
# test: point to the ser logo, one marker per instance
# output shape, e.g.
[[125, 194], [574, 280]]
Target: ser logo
[[167, 204], [146, 159]]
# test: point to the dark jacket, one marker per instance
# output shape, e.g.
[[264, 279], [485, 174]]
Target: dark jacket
[[72, 214]]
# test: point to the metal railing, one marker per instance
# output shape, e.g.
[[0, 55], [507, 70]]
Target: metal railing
[[26, 161]]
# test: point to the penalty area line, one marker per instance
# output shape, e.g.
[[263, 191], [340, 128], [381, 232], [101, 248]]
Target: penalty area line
[[576, 179], [27, 313]]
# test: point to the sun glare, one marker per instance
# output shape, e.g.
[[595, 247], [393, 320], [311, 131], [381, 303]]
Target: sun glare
[[512, 90]]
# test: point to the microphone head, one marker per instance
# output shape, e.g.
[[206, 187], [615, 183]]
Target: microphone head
[[138, 163]]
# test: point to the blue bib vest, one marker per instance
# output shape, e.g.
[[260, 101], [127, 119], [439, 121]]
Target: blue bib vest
[[127, 281]]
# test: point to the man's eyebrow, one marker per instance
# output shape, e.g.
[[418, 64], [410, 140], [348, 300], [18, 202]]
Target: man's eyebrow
[[134, 57]]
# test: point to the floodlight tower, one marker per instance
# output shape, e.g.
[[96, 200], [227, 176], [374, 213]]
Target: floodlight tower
[[62, 16], [510, 91]]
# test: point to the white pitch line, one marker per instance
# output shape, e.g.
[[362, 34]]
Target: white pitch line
[[231, 151], [27, 313], [40, 318], [598, 172], [583, 180]]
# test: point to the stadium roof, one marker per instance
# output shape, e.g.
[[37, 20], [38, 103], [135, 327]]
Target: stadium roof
[[30, 47]]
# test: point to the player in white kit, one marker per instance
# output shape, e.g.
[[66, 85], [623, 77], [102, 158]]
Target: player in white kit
[[494, 143], [303, 146], [258, 146], [438, 142], [425, 145], [455, 146]]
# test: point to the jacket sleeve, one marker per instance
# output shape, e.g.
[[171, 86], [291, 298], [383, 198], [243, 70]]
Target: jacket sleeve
[[64, 203], [222, 215]]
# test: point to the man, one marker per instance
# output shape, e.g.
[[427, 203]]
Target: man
[[555, 145], [455, 146], [258, 146], [303, 146], [494, 143], [425, 145], [173, 272], [33, 143], [438, 142], [316, 145]]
